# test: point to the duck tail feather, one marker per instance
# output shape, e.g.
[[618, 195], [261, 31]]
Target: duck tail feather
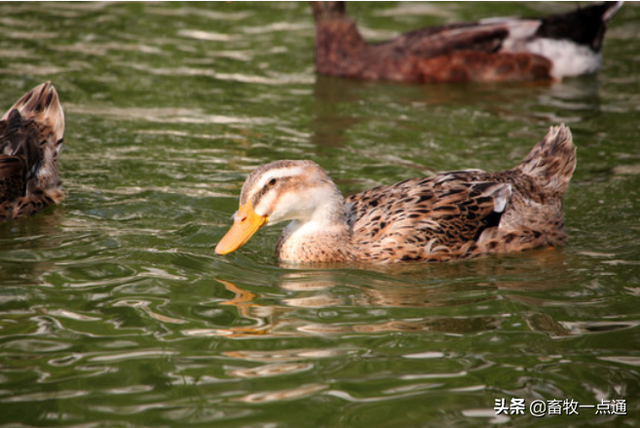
[[552, 161], [611, 8], [584, 26], [42, 105]]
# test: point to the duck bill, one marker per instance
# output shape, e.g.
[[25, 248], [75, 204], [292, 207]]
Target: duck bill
[[246, 223]]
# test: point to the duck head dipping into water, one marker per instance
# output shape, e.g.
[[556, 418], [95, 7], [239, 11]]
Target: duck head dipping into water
[[488, 50]]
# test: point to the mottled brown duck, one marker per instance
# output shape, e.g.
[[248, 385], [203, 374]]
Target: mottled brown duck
[[448, 216], [497, 49], [31, 134]]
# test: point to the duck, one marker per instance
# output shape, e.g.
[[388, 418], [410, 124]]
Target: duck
[[439, 218], [489, 50], [31, 136]]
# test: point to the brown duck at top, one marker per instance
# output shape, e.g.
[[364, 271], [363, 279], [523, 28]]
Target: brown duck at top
[[491, 50]]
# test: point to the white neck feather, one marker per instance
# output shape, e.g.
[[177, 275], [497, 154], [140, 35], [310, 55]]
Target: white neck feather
[[319, 215]]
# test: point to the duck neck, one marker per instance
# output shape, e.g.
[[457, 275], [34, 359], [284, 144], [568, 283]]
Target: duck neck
[[338, 43], [323, 237]]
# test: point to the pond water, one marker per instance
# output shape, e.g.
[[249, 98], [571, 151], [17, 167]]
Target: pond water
[[115, 311]]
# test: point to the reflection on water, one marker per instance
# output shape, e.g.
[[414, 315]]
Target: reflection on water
[[367, 303], [114, 310]]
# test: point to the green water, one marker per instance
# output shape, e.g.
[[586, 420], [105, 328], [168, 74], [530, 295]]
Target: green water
[[115, 311]]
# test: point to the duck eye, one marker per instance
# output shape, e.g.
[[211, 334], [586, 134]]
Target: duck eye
[[271, 182]]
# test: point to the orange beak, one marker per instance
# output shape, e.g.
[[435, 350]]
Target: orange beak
[[246, 223]]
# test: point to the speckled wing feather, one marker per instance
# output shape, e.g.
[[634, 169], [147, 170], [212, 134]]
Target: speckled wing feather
[[433, 218], [467, 213]]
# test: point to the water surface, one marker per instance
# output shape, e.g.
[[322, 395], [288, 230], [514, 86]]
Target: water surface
[[114, 310]]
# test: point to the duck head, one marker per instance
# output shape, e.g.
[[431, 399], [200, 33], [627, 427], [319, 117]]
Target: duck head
[[285, 190]]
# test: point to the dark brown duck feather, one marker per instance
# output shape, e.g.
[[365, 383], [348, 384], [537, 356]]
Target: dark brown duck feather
[[453, 215], [545, 48], [31, 135]]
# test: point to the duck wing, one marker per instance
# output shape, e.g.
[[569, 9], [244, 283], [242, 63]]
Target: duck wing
[[447, 39], [434, 218], [477, 51]]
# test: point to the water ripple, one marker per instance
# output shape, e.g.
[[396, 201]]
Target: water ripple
[[285, 394], [115, 311], [161, 115], [45, 396], [127, 356]]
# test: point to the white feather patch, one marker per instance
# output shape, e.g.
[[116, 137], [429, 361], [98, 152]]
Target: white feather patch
[[568, 58], [502, 198]]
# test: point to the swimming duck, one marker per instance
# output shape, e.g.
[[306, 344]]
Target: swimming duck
[[31, 135], [452, 215], [498, 49]]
